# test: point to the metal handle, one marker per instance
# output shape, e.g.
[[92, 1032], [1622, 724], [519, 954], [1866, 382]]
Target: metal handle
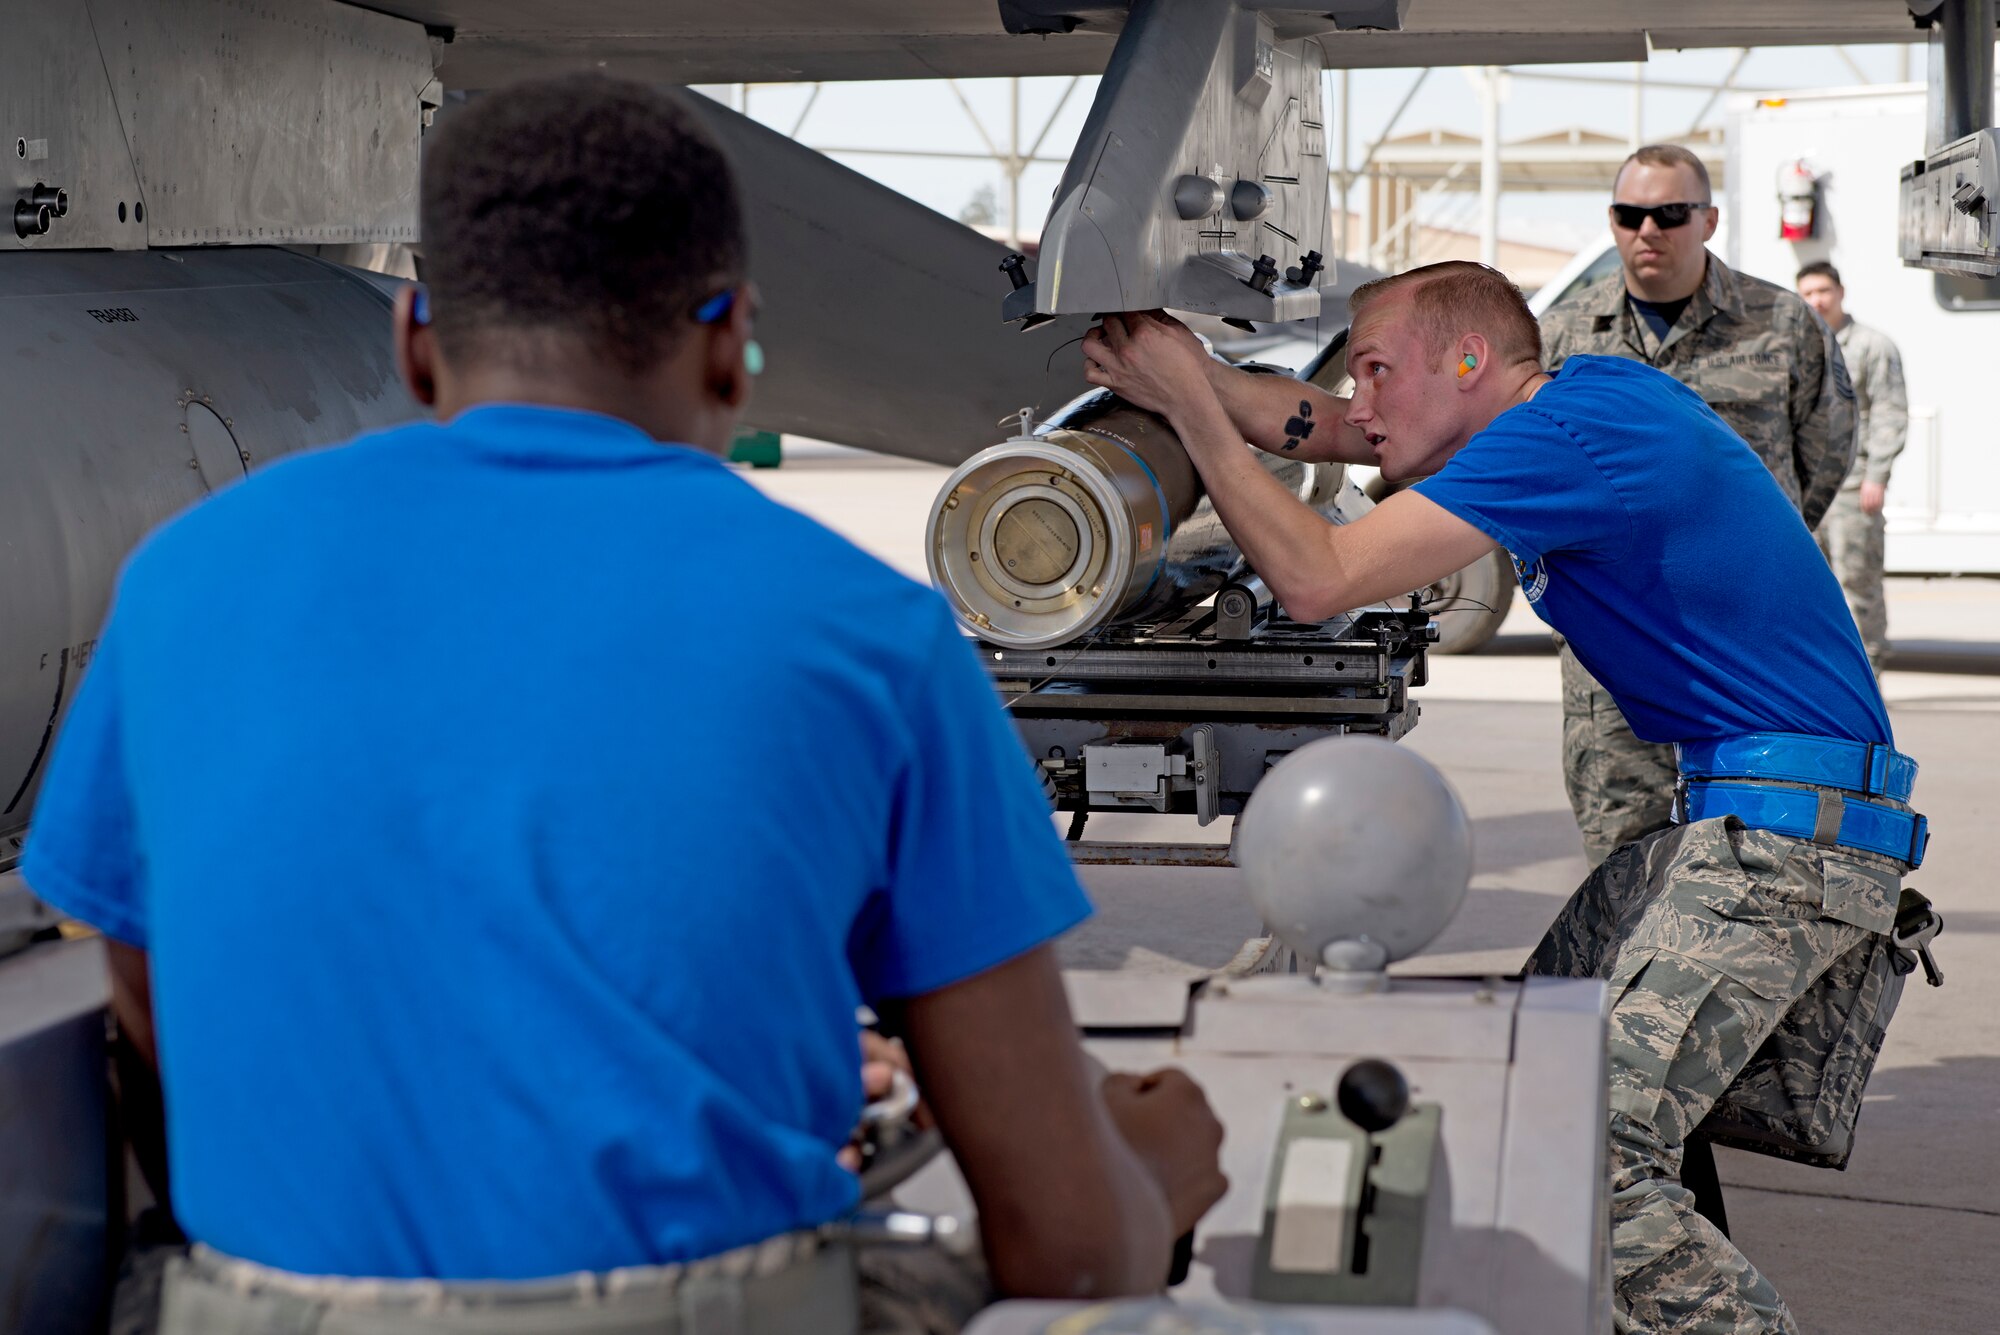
[[902, 1228]]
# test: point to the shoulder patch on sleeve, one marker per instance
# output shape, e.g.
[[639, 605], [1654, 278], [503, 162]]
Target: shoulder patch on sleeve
[[1842, 385]]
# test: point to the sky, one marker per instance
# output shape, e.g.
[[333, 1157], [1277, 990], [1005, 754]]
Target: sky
[[928, 117]]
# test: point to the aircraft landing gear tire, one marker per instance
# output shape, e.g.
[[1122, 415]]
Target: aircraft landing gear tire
[[1461, 602]]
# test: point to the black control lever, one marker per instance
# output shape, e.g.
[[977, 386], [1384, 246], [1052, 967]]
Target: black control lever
[[1373, 1095]]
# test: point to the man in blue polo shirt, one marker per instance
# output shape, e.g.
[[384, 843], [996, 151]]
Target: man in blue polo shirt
[[513, 844], [1746, 947]]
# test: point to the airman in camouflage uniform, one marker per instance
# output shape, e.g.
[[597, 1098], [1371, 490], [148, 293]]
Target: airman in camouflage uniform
[[1749, 969], [1751, 975], [1752, 980], [1852, 532], [1772, 370]]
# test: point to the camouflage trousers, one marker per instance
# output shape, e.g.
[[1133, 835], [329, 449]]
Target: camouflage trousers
[[1620, 788], [1751, 983], [1852, 542]]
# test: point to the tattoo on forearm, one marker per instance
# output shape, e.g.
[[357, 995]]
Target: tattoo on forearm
[[1300, 427]]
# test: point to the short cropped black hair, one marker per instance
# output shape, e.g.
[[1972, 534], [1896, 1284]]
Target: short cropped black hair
[[1820, 269], [580, 207]]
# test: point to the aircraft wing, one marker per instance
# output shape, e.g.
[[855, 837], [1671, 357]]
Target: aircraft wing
[[881, 318], [731, 41]]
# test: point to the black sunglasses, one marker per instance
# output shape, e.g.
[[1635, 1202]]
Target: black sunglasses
[[1632, 217]]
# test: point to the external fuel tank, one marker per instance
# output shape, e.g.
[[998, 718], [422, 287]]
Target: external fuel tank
[[134, 384], [1094, 518]]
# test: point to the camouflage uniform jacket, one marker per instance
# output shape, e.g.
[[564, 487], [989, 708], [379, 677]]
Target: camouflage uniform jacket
[[1753, 350], [1877, 369]]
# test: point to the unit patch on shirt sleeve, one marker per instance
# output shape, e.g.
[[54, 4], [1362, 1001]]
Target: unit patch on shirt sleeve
[[1534, 578]]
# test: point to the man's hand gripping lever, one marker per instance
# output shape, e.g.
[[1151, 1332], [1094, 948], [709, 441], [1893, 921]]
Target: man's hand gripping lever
[[1164, 1116], [894, 1138], [1917, 924], [895, 1135]]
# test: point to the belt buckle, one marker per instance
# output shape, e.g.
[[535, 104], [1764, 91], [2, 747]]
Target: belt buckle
[[1920, 838], [1872, 786]]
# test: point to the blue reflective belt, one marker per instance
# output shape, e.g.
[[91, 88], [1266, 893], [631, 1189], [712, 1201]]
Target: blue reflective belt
[[1797, 812], [1871, 769], [1862, 769]]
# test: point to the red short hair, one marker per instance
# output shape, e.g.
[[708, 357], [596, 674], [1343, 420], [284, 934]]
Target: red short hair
[[1455, 298]]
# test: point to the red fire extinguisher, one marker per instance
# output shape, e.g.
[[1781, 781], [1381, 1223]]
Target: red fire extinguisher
[[1798, 201]]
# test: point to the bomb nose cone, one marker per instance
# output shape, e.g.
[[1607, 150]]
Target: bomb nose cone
[[1355, 852]]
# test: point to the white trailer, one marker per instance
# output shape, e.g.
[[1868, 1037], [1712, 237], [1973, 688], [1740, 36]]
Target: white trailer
[[1944, 498]]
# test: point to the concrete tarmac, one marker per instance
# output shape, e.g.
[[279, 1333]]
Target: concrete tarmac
[[1903, 1241]]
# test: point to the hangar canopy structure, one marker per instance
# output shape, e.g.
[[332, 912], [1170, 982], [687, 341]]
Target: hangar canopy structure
[[780, 41]]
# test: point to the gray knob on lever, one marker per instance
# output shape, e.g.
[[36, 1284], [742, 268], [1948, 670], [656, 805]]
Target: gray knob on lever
[[1356, 853]]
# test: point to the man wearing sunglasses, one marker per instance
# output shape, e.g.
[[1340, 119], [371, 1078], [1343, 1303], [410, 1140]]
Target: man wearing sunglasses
[[532, 947], [1759, 357]]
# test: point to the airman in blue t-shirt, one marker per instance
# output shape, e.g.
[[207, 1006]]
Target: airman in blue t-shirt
[[566, 832], [1751, 937]]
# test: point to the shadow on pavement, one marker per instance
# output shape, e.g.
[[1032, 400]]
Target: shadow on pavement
[[1972, 658], [1914, 1144], [1522, 839], [1154, 919], [1508, 645], [1971, 922], [1500, 918]]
